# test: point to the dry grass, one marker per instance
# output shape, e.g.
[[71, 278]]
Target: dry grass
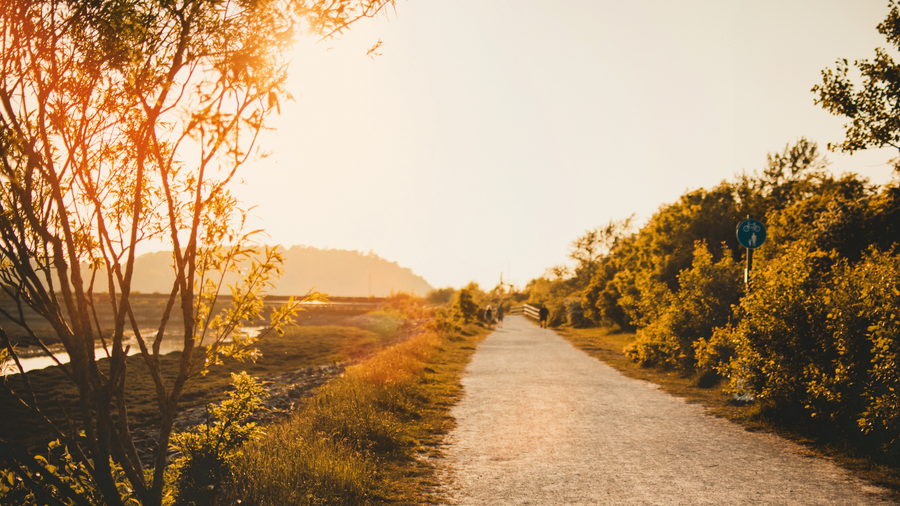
[[366, 438], [399, 364], [608, 346]]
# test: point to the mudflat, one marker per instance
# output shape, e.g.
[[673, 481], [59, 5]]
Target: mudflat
[[542, 423]]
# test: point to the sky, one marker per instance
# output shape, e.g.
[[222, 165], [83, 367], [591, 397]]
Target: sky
[[487, 135]]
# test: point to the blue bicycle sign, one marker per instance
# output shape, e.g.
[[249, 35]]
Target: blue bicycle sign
[[751, 234]]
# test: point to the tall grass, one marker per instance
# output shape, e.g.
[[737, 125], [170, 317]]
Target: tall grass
[[336, 450], [293, 467]]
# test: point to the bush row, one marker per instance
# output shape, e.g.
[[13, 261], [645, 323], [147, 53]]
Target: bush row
[[813, 338]]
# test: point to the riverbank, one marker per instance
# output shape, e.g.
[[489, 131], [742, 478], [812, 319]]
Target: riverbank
[[299, 347]]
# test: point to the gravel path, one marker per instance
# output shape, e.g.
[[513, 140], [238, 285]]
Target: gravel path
[[542, 423]]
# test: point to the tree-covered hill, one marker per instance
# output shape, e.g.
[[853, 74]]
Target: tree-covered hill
[[336, 272]]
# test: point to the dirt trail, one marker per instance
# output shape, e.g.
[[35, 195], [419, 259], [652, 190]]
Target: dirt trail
[[542, 423]]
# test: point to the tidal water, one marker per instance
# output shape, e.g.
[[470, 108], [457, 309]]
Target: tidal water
[[167, 346]]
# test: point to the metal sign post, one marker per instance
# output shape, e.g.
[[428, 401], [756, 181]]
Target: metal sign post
[[751, 234]]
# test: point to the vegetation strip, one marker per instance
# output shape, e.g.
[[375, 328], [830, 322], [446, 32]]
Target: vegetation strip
[[369, 437], [809, 334], [299, 347], [609, 346]]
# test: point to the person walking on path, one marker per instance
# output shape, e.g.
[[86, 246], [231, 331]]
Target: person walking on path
[[543, 315], [500, 316], [489, 316]]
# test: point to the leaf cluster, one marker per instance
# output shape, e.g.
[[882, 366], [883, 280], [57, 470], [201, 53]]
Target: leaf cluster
[[707, 291], [208, 453], [58, 477], [872, 110], [820, 335]]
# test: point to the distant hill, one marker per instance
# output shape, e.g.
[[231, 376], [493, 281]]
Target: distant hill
[[336, 272]]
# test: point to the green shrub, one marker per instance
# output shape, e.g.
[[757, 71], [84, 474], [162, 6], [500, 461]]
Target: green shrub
[[465, 309], [600, 300], [443, 321], [703, 302], [575, 313], [557, 308], [208, 454], [858, 382], [820, 337], [440, 296], [714, 355], [641, 297], [778, 326]]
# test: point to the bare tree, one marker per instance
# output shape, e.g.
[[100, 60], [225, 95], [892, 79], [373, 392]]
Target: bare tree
[[123, 121]]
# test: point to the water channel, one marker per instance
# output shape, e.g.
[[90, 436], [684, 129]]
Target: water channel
[[167, 346]]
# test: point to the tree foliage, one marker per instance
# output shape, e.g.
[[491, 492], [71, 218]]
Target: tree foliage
[[703, 302], [813, 337], [58, 477], [600, 301], [589, 249], [819, 337], [465, 308], [122, 122], [440, 295], [872, 111]]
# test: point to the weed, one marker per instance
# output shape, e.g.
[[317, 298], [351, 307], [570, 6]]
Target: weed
[[207, 453]]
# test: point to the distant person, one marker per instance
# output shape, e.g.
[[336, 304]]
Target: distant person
[[543, 315], [489, 316], [500, 316]]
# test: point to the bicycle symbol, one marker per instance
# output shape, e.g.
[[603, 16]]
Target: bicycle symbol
[[752, 226]]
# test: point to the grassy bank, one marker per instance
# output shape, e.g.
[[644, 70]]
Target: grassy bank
[[608, 347], [300, 346], [367, 437]]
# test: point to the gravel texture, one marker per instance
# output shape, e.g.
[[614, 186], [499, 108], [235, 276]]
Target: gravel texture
[[542, 423]]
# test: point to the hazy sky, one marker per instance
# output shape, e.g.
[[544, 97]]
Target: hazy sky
[[493, 133]]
